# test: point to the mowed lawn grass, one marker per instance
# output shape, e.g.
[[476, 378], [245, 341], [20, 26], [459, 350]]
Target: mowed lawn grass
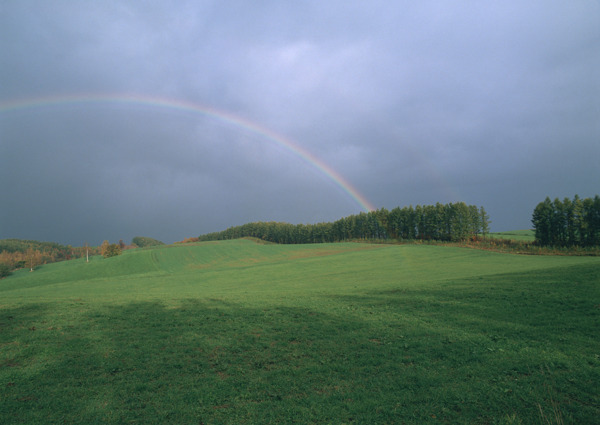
[[236, 332]]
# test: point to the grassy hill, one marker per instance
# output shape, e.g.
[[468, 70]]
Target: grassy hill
[[239, 332]]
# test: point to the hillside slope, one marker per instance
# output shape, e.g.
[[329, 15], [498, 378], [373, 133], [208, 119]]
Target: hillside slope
[[238, 332], [238, 266]]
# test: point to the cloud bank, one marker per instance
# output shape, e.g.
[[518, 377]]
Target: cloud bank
[[411, 103]]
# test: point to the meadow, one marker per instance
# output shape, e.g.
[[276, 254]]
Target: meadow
[[515, 235], [236, 332]]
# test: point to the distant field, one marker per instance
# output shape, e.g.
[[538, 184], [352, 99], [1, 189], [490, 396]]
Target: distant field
[[517, 235], [243, 333]]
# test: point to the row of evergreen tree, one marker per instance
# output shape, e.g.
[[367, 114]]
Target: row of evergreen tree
[[444, 222], [568, 222]]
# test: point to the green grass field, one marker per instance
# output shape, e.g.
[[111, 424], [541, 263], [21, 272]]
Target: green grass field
[[516, 235], [236, 332]]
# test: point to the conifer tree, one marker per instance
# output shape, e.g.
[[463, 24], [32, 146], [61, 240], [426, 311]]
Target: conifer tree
[[485, 221], [542, 221]]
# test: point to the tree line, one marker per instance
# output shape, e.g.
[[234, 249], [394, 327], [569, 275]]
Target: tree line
[[18, 254], [568, 222], [444, 222]]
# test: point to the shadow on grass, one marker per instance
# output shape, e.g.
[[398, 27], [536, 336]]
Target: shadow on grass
[[532, 336], [467, 352], [194, 362]]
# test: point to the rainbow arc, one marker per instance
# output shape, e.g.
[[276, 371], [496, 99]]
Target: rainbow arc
[[184, 106]]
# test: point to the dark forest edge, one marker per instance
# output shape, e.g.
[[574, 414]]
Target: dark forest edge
[[567, 227], [456, 224], [441, 222], [568, 223]]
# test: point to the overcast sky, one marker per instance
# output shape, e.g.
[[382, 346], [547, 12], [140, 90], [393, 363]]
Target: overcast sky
[[495, 104]]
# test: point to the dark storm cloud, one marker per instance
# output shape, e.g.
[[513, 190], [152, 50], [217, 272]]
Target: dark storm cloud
[[493, 104]]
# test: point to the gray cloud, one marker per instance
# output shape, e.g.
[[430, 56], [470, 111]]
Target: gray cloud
[[493, 104]]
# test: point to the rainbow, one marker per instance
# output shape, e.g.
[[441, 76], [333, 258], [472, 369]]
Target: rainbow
[[184, 106]]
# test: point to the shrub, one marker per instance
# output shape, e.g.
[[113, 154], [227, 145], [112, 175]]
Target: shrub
[[143, 241], [112, 250], [4, 270]]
